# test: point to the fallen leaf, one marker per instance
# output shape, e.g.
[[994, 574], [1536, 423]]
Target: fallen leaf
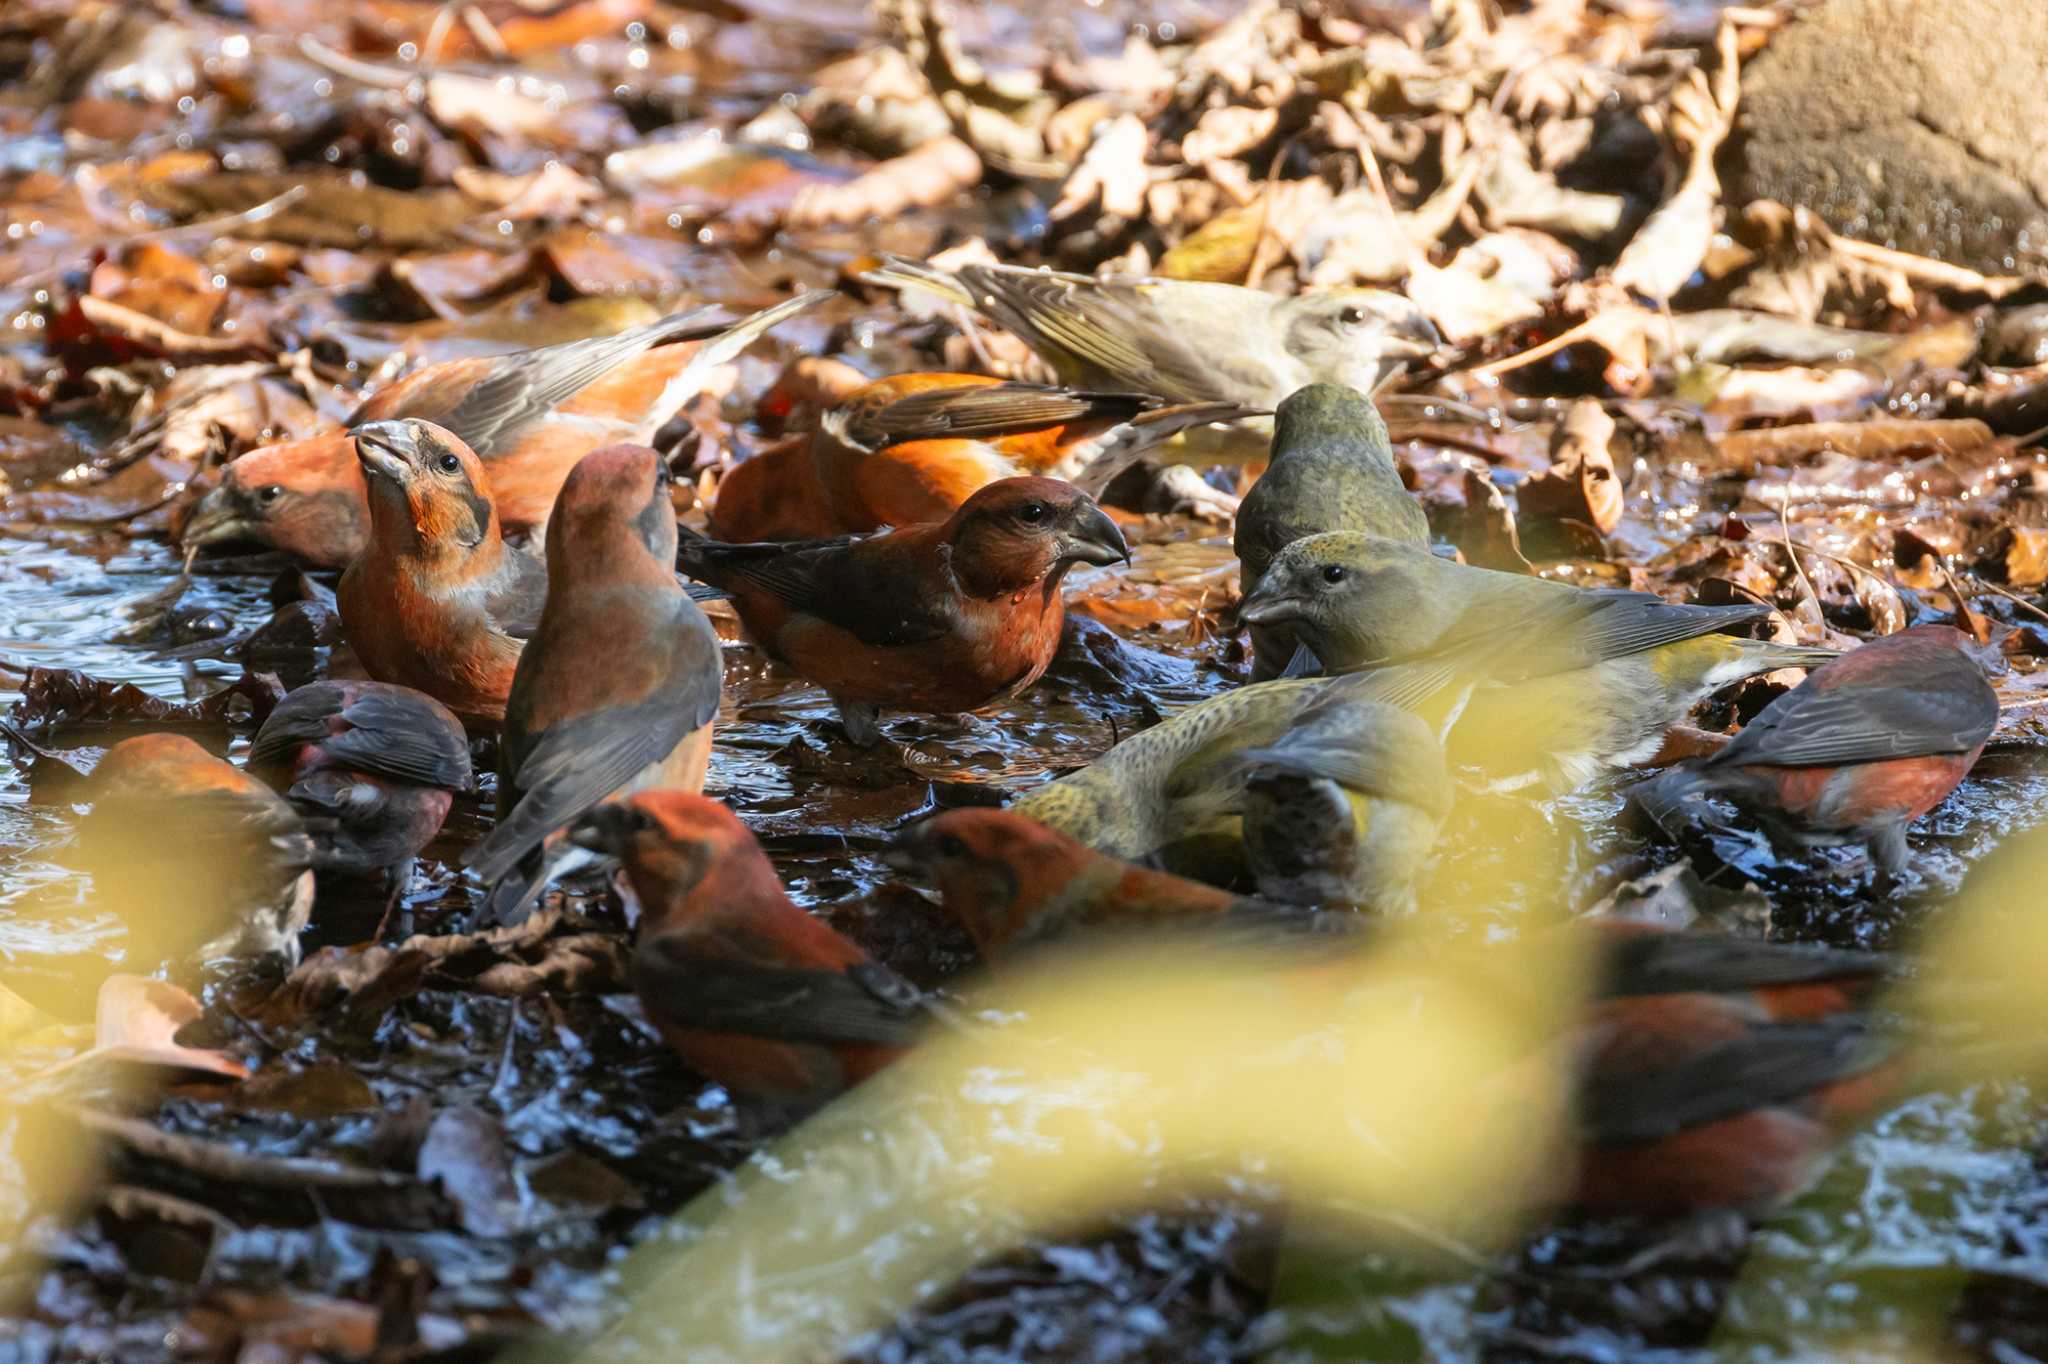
[[1112, 174], [464, 1154], [930, 175], [136, 1022], [1581, 485]]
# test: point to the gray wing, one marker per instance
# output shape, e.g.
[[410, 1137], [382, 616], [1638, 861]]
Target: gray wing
[[1654, 963], [523, 387], [883, 603], [1373, 748], [1762, 1068], [514, 602], [1523, 637], [988, 410], [1812, 727], [1110, 329]]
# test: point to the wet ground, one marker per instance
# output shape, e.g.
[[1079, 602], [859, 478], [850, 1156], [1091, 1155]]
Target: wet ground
[[522, 1141]]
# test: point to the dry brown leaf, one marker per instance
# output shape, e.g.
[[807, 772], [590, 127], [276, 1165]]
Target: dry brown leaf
[[1879, 441], [930, 175], [553, 191], [136, 1021], [1227, 132], [1112, 174], [1581, 484]]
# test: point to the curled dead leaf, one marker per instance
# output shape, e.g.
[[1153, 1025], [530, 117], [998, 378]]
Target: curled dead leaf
[[1582, 484]]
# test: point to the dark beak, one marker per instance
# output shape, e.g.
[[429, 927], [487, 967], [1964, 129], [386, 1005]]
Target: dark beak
[[381, 448], [1268, 604], [1412, 334], [602, 830], [216, 518], [1094, 539]]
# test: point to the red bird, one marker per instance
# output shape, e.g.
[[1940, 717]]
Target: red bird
[[372, 768], [1009, 880], [748, 989], [193, 854], [944, 617], [1716, 1071], [910, 449], [436, 601], [773, 495], [529, 416], [1863, 747], [618, 687]]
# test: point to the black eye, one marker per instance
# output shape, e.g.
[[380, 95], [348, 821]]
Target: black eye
[[448, 463], [639, 821], [663, 475], [951, 846], [1351, 316], [270, 494], [1333, 573], [1031, 513]]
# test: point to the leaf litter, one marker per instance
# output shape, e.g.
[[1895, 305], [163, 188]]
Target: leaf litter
[[223, 230]]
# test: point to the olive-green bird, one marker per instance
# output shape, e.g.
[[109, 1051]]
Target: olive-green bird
[[1566, 681], [1344, 807], [1185, 341], [1185, 776], [1331, 468]]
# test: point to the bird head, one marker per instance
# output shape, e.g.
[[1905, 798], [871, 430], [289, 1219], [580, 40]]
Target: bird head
[[1329, 417], [1351, 598], [427, 488], [999, 874], [304, 497], [614, 505], [1017, 532], [670, 843], [1358, 337]]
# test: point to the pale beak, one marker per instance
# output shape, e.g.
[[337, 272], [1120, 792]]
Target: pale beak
[[1095, 539], [381, 448], [215, 519]]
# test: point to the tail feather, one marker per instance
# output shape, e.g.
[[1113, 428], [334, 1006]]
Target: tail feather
[[900, 272], [1147, 431]]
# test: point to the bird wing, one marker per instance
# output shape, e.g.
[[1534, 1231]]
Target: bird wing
[[1763, 1067], [687, 985], [522, 387], [1110, 330], [1656, 963], [515, 599], [1922, 715], [877, 597], [986, 410], [338, 798], [1372, 748], [1521, 636], [388, 738], [576, 763], [299, 719]]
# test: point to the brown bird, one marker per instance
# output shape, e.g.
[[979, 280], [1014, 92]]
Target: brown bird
[[772, 495], [196, 857], [529, 417], [943, 617], [748, 989], [618, 687], [912, 448], [436, 601], [372, 768]]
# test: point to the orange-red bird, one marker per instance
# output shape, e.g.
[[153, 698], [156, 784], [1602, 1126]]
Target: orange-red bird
[[529, 416], [372, 768], [910, 449], [436, 601], [748, 989], [1009, 880], [618, 687], [772, 495], [944, 617], [1864, 746], [193, 854]]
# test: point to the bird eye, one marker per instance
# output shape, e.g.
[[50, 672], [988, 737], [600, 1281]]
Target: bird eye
[[639, 821], [1033, 512], [951, 846], [269, 494], [448, 463], [1351, 316], [1333, 573]]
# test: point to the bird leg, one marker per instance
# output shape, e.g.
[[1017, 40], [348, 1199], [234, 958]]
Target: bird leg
[[1890, 858], [860, 722], [399, 874]]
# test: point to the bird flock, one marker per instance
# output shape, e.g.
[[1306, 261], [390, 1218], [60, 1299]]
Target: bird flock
[[908, 556]]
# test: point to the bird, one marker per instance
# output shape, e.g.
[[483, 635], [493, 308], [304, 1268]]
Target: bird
[[1568, 681], [372, 769], [911, 448], [1343, 807], [1188, 773], [618, 687], [1331, 468], [529, 416], [942, 617], [437, 601], [1009, 880], [1183, 341], [749, 990], [1715, 1072], [1859, 750], [196, 857], [772, 495]]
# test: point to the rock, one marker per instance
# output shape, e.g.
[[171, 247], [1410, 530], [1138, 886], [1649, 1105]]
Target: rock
[[1918, 124]]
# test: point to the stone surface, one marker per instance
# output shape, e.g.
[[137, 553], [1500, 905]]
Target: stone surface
[[1920, 124]]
